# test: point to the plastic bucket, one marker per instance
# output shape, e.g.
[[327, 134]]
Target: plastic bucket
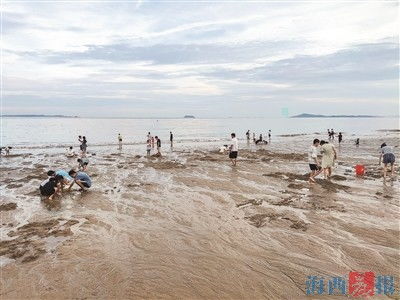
[[360, 170]]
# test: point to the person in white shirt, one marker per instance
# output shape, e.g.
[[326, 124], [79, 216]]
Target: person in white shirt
[[234, 149], [70, 152], [313, 161], [388, 159]]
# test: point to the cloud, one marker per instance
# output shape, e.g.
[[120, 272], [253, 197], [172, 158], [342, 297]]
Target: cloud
[[218, 58]]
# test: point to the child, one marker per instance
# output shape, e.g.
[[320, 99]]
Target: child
[[148, 148], [223, 149], [70, 152], [83, 163], [158, 145]]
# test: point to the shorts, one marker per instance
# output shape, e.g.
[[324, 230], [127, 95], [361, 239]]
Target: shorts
[[46, 191], [388, 158], [85, 184], [314, 167], [233, 154]]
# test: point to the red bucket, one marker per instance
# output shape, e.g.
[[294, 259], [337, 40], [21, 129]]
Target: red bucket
[[360, 170]]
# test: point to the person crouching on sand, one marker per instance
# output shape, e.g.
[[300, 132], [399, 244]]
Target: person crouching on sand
[[388, 158], [234, 148], [313, 161], [70, 152], [80, 178], [67, 180], [83, 163], [329, 156], [51, 186]]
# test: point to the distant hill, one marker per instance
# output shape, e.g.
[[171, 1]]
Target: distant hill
[[332, 116], [38, 116], [189, 117]]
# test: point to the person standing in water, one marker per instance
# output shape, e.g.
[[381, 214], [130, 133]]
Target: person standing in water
[[234, 148], [313, 161], [171, 138], [248, 135], [340, 137], [269, 134], [148, 147], [83, 146], [329, 156], [388, 158], [119, 141], [357, 142], [80, 142], [158, 143]]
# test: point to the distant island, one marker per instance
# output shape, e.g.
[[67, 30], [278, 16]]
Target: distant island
[[38, 116], [332, 116], [189, 117]]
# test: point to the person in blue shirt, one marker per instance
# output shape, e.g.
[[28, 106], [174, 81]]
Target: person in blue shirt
[[80, 178], [64, 178], [64, 174]]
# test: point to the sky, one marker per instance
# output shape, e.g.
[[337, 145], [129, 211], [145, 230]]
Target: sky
[[209, 59]]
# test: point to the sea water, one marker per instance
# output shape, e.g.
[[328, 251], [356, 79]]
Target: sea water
[[31, 133]]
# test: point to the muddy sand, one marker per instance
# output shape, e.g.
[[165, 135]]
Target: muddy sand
[[188, 225]]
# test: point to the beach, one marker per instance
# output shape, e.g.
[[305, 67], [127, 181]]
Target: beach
[[189, 225]]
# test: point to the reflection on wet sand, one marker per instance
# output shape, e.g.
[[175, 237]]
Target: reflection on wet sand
[[189, 225]]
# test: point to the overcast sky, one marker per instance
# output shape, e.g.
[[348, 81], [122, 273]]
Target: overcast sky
[[216, 59]]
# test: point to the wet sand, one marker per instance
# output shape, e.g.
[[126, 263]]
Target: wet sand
[[189, 225]]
